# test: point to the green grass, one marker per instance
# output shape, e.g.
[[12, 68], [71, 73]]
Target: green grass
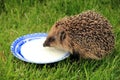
[[20, 17]]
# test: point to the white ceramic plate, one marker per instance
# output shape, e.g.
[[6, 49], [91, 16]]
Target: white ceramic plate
[[30, 48]]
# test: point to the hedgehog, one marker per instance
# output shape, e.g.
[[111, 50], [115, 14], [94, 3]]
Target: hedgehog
[[88, 34]]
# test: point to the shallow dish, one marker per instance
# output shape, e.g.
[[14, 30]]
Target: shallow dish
[[29, 48]]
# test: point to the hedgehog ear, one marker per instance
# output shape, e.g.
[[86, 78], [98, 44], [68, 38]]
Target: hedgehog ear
[[62, 35]]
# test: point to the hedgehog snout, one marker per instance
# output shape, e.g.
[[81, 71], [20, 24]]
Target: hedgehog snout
[[46, 43]]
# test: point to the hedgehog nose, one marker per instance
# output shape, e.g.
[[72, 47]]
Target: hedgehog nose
[[45, 44]]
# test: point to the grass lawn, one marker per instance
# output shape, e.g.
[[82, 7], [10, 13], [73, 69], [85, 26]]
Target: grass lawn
[[20, 17]]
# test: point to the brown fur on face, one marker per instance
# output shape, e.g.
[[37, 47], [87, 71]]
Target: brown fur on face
[[57, 37], [89, 34]]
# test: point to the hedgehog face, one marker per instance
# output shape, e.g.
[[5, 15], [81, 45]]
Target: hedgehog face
[[56, 37]]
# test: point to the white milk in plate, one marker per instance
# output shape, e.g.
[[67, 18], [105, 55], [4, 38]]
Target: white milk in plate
[[35, 52]]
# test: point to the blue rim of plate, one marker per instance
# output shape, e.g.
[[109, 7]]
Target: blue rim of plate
[[21, 40]]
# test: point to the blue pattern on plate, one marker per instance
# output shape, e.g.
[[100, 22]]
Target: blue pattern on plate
[[16, 46]]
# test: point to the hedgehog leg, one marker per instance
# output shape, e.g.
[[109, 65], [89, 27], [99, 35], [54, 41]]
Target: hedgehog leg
[[75, 56]]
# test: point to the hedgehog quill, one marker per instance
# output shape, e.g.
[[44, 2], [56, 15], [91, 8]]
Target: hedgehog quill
[[88, 34]]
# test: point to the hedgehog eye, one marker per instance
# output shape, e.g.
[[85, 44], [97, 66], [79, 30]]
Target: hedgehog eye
[[62, 35], [51, 39]]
